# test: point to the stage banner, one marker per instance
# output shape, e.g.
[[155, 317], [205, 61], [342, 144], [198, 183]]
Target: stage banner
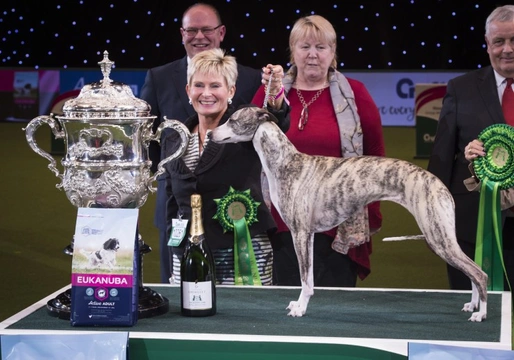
[[25, 94], [19, 95], [48, 90], [394, 91], [6, 95], [428, 104]]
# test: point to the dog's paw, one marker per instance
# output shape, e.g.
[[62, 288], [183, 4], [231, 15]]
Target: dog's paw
[[470, 307], [478, 316], [295, 309]]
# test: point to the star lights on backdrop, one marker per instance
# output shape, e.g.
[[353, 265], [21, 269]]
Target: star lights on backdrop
[[376, 35]]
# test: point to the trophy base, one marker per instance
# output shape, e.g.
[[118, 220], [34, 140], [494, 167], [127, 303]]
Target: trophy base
[[151, 304], [60, 306]]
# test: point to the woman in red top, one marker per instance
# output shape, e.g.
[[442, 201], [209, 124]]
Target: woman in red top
[[331, 115]]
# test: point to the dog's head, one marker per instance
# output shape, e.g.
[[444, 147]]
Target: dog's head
[[112, 244], [242, 125]]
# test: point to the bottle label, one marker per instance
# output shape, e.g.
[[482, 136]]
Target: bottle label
[[197, 295]]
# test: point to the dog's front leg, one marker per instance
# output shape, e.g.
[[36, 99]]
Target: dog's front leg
[[481, 314], [304, 247]]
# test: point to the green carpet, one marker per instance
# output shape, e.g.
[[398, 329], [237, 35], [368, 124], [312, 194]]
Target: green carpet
[[37, 222], [331, 313]]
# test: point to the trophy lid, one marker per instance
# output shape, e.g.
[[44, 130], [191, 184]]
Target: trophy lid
[[105, 99]]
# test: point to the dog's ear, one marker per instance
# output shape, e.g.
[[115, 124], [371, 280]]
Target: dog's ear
[[271, 117], [110, 244], [262, 114], [265, 115]]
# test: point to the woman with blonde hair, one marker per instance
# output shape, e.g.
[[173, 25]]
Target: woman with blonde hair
[[216, 170]]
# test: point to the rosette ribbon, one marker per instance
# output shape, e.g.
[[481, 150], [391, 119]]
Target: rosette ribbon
[[495, 172], [236, 211]]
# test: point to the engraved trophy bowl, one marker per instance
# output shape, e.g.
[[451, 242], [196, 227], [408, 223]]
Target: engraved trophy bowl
[[107, 131]]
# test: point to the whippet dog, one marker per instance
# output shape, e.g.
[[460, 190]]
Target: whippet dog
[[316, 193]]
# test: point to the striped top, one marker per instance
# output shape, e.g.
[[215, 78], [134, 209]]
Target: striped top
[[224, 258]]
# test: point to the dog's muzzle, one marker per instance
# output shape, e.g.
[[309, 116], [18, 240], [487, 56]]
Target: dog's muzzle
[[209, 136]]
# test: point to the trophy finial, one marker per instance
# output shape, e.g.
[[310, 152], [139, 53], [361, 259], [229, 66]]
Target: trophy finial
[[106, 66]]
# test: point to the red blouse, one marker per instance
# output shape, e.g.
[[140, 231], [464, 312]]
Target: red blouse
[[320, 136]]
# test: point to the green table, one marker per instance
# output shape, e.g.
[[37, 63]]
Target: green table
[[339, 324]]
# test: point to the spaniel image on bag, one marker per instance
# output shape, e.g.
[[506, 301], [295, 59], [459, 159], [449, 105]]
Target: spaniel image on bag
[[104, 257]]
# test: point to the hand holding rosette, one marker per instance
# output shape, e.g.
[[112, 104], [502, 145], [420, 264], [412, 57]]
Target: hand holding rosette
[[495, 171]]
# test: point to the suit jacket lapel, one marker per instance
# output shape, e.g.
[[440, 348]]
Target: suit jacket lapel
[[179, 79], [489, 92], [210, 156]]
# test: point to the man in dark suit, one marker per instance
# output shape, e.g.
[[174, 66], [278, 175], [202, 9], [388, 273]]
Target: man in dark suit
[[165, 91], [472, 103]]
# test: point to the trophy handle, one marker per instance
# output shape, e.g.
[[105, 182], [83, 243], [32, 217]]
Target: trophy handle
[[30, 131], [185, 135]]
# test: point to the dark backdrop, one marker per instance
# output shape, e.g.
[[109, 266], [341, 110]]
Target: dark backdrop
[[374, 34]]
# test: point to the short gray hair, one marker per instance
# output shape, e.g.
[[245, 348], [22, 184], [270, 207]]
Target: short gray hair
[[214, 62], [501, 14]]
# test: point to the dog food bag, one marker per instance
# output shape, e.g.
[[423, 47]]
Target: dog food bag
[[104, 279]]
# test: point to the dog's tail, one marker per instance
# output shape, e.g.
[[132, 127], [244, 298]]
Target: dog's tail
[[406, 237]]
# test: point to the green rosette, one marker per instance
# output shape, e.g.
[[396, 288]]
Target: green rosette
[[497, 164], [495, 171], [236, 211]]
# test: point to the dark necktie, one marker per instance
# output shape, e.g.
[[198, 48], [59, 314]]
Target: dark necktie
[[508, 103], [508, 107]]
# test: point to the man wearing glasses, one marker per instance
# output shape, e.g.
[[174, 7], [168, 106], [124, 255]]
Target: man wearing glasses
[[165, 91]]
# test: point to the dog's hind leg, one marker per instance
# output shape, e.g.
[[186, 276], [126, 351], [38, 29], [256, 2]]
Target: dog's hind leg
[[443, 242], [455, 257], [304, 246], [434, 209], [478, 284]]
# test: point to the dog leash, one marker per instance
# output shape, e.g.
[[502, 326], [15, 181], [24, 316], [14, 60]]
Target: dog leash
[[268, 90]]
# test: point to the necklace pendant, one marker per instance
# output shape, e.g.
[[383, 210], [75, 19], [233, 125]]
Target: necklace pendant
[[304, 117]]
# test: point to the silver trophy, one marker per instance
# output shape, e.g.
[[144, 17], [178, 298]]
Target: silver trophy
[[107, 131]]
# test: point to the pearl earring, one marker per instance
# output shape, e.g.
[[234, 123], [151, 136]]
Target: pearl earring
[[229, 101], [190, 101]]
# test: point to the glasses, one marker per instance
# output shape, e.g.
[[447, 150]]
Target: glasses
[[191, 32]]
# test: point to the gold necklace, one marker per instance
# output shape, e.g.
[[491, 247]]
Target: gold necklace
[[304, 115]]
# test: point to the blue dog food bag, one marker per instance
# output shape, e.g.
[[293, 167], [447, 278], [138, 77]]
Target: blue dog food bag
[[104, 279]]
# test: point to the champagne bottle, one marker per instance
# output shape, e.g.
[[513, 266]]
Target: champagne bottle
[[197, 273]]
